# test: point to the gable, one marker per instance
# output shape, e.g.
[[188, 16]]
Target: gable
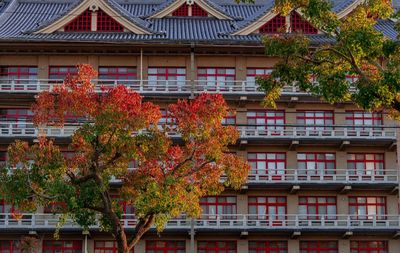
[[195, 8], [95, 16], [271, 22]]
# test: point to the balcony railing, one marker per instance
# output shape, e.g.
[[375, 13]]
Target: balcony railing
[[314, 176], [27, 129], [185, 87], [226, 222]]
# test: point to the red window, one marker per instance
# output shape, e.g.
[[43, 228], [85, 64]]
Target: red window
[[230, 119], [218, 205], [167, 76], [316, 208], [268, 247], [15, 114], [3, 157], [216, 77], [182, 11], [216, 247], [5, 208], [315, 120], [318, 247], [23, 74], [365, 120], [298, 24], [82, 23], [316, 163], [275, 25], [165, 246], [267, 208], [105, 23], [124, 75], [369, 247], [197, 11], [62, 246], [267, 163], [55, 207], [106, 247], [365, 208], [61, 72], [365, 164], [9, 246], [252, 73], [266, 119]]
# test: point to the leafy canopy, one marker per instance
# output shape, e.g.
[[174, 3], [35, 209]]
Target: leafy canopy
[[356, 49]]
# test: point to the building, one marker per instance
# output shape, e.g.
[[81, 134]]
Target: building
[[324, 177]]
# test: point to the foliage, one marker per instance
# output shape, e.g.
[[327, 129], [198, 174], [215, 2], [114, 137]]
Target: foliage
[[118, 127], [28, 244], [356, 49]]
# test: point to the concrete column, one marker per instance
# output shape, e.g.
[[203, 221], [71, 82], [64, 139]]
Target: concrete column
[[392, 204], [243, 246], [140, 247], [241, 116], [242, 204], [293, 246], [43, 67], [291, 161], [394, 245], [390, 161], [290, 116], [94, 61], [344, 246], [342, 205], [340, 117], [341, 162], [90, 245], [292, 204], [240, 68]]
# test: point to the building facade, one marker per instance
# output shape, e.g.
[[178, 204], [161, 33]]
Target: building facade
[[324, 177]]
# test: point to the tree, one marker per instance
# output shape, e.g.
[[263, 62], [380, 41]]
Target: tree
[[118, 126], [356, 48]]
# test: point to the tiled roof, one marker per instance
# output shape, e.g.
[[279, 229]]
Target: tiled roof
[[19, 18]]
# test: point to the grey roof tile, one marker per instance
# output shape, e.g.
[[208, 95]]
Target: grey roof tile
[[28, 15]]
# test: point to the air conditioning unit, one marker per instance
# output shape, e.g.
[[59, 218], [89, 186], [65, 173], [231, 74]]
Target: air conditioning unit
[[189, 2]]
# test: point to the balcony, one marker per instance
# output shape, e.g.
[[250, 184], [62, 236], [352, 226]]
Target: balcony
[[247, 132], [334, 179], [224, 223], [146, 87]]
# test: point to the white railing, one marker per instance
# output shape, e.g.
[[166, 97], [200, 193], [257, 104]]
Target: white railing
[[314, 176], [17, 129], [147, 86], [226, 222], [252, 132]]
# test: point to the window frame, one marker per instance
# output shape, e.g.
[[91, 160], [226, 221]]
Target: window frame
[[278, 218], [365, 161], [317, 205], [316, 160], [211, 85], [82, 23], [314, 126], [264, 246], [300, 24], [278, 116], [105, 23], [165, 249], [275, 173], [205, 202], [382, 246], [318, 247], [71, 70], [11, 248], [76, 246], [216, 249], [274, 25], [375, 117], [366, 204]]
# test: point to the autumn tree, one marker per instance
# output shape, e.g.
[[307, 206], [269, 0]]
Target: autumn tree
[[355, 48], [118, 127]]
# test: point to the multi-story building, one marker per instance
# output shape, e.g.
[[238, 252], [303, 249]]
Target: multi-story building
[[324, 177]]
